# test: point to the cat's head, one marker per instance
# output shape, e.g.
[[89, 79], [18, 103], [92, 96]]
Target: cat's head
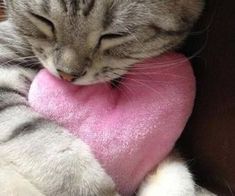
[[90, 41]]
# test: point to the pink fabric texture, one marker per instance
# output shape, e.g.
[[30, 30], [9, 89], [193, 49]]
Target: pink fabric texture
[[131, 128]]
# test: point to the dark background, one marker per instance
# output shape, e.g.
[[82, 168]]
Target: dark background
[[209, 139]]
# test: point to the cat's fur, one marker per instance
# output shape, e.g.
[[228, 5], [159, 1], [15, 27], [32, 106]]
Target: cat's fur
[[98, 40], [93, 41]]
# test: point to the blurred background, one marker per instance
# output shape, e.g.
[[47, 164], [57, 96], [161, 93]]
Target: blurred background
[[209, 139]]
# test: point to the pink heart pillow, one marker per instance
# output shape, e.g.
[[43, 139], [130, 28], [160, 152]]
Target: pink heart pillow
[[130, 129]]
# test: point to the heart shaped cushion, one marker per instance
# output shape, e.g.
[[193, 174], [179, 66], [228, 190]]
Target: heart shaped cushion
[[131, 128]]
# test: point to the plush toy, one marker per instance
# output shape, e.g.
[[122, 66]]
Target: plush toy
[[131, 128]]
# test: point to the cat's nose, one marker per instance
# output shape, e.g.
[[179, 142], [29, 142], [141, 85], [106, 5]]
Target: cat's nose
[[70, 77], [66, 76]]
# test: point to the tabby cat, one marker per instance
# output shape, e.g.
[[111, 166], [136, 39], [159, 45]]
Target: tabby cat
[[83, 42]]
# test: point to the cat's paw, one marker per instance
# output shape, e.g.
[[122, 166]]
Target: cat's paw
[[203, 192], [54, 162], [13, 183], [171, 178]]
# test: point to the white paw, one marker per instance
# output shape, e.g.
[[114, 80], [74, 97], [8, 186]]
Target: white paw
[[13, 184], [203, 192], [57, 164], [172, 178]]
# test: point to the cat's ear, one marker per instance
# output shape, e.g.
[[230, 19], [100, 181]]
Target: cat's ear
[[181, 18]]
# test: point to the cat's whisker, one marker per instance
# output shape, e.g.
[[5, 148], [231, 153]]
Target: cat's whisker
[[140, 82], [10, 40], [32, 65], [208, 26], [168, 64], [134, 36], [145, 73], [158, 64], [17, 47], [120, 88], [155, 65], [9, 54], [18, 59], [144, 67], [157, 73], [32, 61], [155, 80], [13, 40]]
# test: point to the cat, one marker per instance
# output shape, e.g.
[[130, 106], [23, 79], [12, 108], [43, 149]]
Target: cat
[[83, 42]]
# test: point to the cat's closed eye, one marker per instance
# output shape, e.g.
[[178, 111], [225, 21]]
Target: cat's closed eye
[[45, 25], [110, 33], [109, 40], [107, 36]]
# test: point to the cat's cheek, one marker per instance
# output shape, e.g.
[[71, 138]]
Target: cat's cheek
[[48, 64]]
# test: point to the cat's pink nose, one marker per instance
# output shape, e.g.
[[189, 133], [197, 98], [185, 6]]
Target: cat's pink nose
[[66, 76]]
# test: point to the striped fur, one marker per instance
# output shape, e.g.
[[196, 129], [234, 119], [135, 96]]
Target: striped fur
[[81, 37], [38, 157]]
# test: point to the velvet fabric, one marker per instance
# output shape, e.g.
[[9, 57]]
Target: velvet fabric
[[130, 128]]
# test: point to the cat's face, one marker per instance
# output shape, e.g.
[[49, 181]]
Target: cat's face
[[90, 41]]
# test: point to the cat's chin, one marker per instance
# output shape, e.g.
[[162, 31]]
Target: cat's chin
[[85, 82]]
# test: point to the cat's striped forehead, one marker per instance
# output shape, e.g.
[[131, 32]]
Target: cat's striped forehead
[[76, 35], [169, 14], [118, 13], [71, 7], [68, 6]]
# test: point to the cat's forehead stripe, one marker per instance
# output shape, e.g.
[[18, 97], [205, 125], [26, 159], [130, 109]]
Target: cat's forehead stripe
[[72, 6], [69, 6], [89, 6], [63, 5]]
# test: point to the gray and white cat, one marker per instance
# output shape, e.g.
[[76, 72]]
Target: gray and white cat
[[83, 42]]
